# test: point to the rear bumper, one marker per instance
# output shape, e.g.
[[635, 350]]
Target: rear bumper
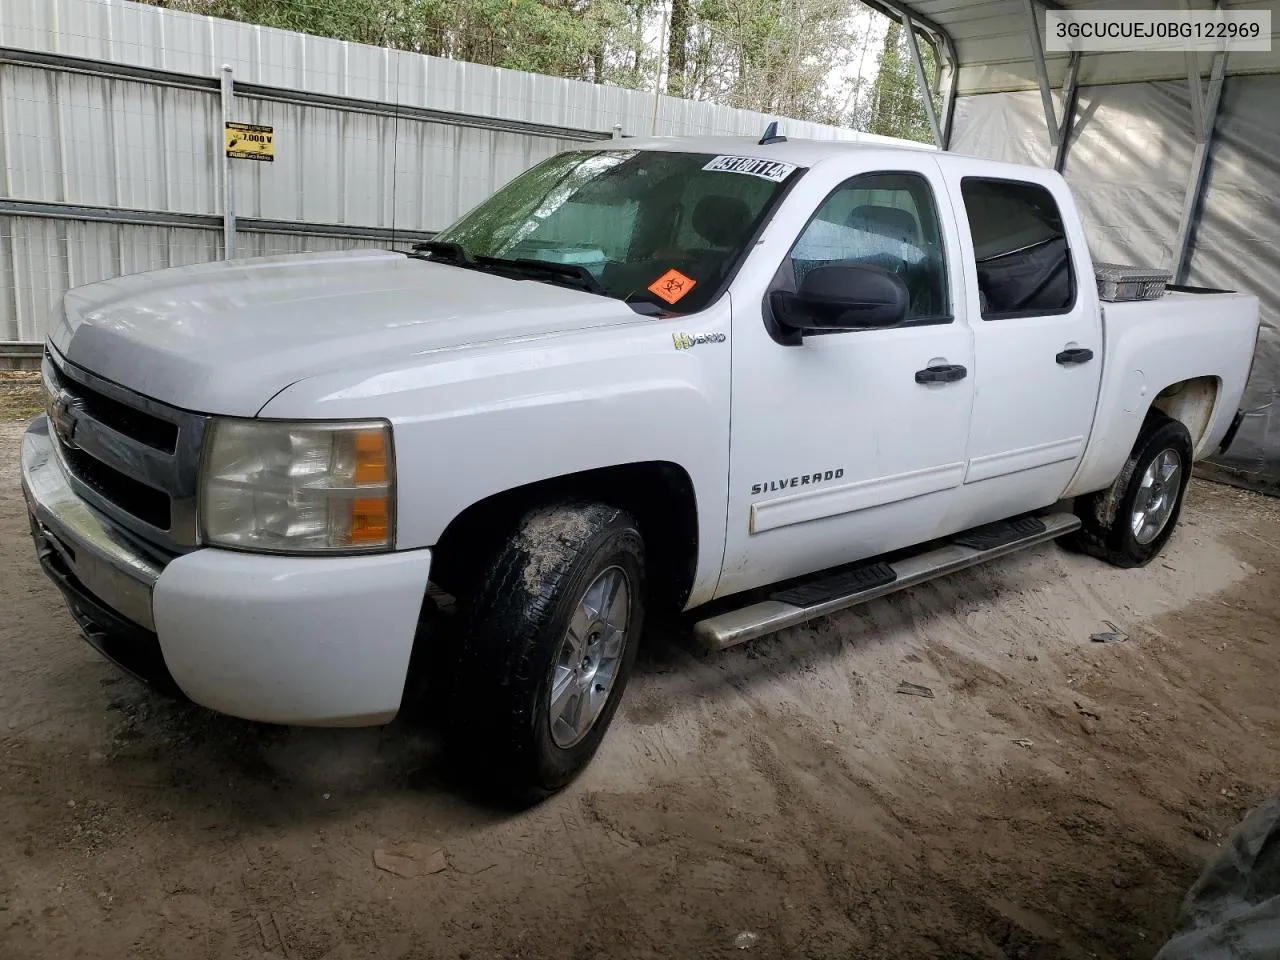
[[298, 640]]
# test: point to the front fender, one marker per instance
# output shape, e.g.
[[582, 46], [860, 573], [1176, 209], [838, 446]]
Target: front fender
[[476, 420]]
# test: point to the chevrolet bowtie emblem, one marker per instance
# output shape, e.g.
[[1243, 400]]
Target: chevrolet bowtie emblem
[[62, 415]]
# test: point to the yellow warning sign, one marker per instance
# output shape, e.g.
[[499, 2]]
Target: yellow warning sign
[[250, 141]]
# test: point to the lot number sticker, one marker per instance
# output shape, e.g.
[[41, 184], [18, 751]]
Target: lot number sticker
[[250, 141], [773, 170]]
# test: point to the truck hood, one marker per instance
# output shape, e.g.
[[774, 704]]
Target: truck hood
[[226, 337]]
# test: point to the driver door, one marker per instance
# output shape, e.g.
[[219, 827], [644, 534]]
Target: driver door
[[839, 452]]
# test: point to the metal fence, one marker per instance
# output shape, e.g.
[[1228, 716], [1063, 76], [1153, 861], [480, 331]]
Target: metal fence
[[112, 151]]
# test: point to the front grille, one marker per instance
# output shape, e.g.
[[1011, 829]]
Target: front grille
[[149, 505], [133, 458], [124, 419]]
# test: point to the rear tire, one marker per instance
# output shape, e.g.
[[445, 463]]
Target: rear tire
[[1128, 524], [546, 648]]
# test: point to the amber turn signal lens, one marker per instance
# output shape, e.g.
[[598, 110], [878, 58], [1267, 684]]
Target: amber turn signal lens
[[371, 458], [369, 520]]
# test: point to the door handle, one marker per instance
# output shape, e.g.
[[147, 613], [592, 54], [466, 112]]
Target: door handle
[[942, 373], [1074, 355]]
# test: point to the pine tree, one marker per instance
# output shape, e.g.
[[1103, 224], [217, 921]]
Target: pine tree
[[896, 109]]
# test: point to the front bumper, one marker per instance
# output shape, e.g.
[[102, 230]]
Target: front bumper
[[319, 641]]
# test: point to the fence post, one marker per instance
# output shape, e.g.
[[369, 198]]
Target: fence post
[[657, 80], [228, 186]]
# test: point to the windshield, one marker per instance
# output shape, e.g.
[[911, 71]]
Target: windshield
[[656, 226]]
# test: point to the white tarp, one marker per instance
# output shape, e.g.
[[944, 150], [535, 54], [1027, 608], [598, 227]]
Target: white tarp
[[1232, 911]]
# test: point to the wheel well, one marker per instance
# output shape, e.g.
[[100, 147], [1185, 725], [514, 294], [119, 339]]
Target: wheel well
[[658, 494], [1192, 402]]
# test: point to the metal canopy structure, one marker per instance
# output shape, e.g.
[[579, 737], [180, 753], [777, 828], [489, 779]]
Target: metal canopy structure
[[1175, 157], [987, 41], [999, 59]]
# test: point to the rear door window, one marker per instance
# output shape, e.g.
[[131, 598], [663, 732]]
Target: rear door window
[[1020, 245]]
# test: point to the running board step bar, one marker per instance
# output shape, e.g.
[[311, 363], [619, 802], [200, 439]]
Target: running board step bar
[[838, 591]]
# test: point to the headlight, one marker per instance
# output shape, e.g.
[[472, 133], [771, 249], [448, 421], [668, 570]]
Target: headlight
[[286, 487]]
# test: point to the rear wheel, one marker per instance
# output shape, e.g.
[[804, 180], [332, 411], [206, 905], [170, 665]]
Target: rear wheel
[[1129, 523], [547, 646]]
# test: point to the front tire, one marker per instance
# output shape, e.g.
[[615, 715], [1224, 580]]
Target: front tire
[[547, 646], [1128, 524]]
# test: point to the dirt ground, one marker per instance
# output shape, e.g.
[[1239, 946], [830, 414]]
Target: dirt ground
[[19, 394], [1053, 800]]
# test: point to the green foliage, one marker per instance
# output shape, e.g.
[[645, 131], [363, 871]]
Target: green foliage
[[557, 37], [774, 56], [896, 108]]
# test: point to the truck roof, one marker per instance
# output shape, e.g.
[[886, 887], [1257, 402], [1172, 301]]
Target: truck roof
[[801, 152], [808, 153]]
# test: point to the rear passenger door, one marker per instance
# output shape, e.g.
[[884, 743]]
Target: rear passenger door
[[1037, 339]]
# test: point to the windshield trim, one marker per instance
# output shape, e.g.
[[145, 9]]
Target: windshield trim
[[762, 222]]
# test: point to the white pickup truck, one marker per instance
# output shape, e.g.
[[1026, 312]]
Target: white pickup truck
[[751, 382]]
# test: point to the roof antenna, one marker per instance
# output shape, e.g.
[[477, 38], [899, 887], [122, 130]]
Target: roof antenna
[[771, 134]]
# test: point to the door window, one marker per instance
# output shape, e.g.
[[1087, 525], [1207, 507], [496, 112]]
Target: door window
[[887, 220], [1023, 258]]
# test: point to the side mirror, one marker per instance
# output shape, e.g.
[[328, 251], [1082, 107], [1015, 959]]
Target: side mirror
[[843, 296]]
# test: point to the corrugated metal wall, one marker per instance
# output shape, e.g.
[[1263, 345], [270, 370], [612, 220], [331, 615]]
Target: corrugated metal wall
[[144, 144]]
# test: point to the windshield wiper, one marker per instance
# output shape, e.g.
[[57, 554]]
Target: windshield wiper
[[566, 274], [446, 251]]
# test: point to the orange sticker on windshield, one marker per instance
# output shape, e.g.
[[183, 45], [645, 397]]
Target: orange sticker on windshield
[[671, 286]]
